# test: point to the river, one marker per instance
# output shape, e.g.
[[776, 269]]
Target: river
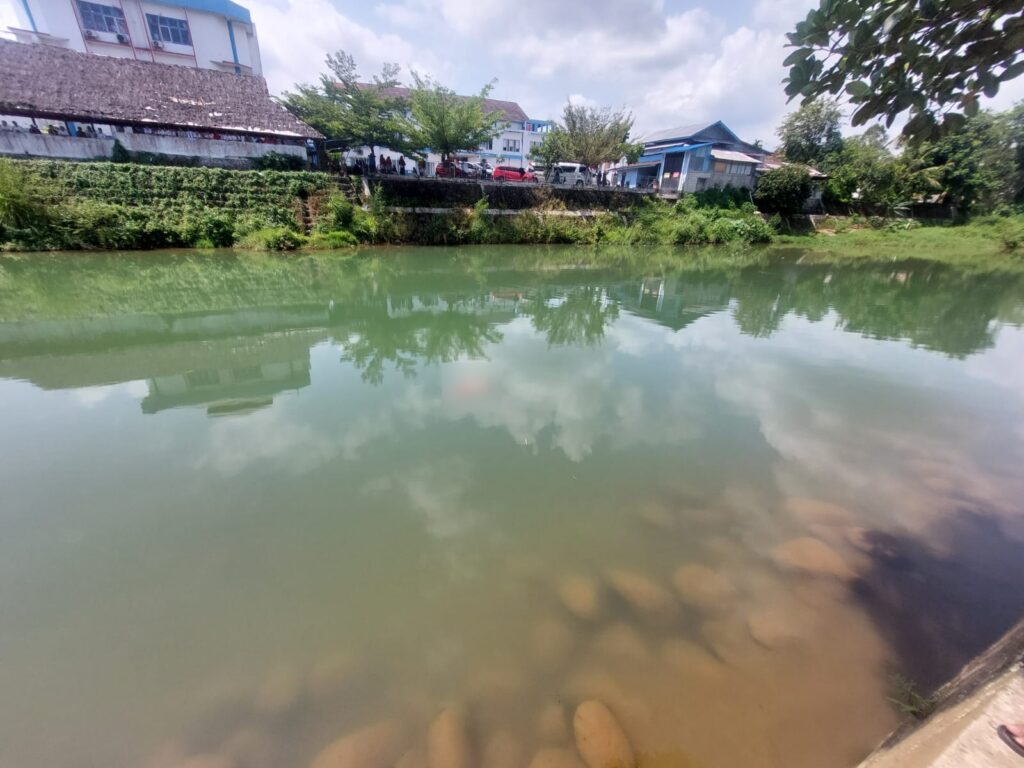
[[254, 503]]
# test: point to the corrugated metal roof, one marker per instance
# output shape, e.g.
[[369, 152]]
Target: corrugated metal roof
[[680, 132], [733, 157], [45, 80]]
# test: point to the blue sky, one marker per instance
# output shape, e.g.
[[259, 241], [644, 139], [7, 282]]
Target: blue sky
[[670, 62]]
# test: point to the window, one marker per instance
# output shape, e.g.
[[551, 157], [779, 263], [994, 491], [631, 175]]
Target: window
[[102, 18], [167, 30], [510, 145]]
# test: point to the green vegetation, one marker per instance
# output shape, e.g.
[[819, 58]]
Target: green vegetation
[[350, 112], [977, 169], [784, 190], [588, 135], [950, 52], [908, 700], [988, 242], [446, 122], [65, 205]]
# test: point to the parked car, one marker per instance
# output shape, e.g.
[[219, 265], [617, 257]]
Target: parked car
[[473, 170], [572, 174], [449, 170], [511, 173]]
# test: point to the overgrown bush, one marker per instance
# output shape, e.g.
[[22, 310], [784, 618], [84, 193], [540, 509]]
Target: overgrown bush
[[783, 190], [272, 239], [278, 161], [332, 240]]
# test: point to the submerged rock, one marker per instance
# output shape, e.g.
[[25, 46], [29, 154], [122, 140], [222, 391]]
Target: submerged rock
[[448, 741], [556, 758], [773, 629], [332, 674], [703, 588], [812, 556], [600, 739], [376, 746], [581, 596], [552, 724], [503, 750], [689, 658], [646, 597]]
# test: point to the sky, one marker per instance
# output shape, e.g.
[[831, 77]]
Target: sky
[[669, 62]]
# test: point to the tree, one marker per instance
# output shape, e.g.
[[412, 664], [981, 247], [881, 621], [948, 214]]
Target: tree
[[973, 167], [589, 136], [352, 113], [445, 122], [923, 58], [865, 172], [783, 190], [812, 133]]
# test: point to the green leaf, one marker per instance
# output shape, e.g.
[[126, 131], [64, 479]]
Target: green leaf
[[858, 89]]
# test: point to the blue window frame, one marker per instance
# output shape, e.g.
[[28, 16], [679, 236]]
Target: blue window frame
[[168, 30], [102, 18]]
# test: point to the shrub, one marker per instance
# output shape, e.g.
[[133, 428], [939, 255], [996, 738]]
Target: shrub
[[336, 213], [272, 239], [333, 240], [783, 190], [21, 204], [278, 161]]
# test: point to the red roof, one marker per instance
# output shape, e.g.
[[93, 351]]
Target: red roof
[[510, 110]]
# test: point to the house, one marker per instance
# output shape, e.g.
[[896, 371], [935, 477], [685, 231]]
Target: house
[[59, 103], [512, 146], [202, 34], [693, 158]]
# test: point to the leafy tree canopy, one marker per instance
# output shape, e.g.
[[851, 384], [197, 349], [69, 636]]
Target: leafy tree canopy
[[928, 59], [349, 111], [588, 135], [811, 133], [445, 122]]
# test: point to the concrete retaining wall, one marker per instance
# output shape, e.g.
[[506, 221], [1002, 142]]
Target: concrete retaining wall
[[213, 152]]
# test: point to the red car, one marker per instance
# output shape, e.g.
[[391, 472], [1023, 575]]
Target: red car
[[449, 170], [511, 173]]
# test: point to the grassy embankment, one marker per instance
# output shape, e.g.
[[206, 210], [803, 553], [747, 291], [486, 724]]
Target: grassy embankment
[[985, 242], [48, 205]]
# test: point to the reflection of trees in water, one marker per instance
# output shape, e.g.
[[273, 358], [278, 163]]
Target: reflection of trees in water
[[376, 338], [930, 306], [576, 315]]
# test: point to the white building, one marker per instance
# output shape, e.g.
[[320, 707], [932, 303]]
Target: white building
[[204, 34]]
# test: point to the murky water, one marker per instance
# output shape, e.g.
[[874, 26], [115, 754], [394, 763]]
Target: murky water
[[251, 505]]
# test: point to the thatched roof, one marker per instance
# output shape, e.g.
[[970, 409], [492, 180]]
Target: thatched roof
[[46, 81]]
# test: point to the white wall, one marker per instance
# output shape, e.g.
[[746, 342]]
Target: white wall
[[230, 152], [211, 43]]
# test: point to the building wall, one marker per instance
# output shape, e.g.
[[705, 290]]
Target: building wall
[[211, 34], [210, 151]]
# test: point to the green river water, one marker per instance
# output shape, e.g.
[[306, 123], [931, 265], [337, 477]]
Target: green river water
[[251, 504]]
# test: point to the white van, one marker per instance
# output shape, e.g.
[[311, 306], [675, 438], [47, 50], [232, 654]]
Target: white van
[[571, 174]]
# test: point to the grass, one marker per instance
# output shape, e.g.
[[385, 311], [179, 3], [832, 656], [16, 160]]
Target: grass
[[908, 700], [988, 242]]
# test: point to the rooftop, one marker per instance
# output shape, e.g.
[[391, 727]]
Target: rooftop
[[46, 81]]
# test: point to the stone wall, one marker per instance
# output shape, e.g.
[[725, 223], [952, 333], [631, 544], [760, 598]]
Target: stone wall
[[439, 193], [211, 152]]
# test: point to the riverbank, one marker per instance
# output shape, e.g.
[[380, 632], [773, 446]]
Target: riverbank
[[48, 205]]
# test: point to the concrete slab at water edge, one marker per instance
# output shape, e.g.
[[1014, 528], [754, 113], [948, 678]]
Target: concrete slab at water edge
[[961, 733]]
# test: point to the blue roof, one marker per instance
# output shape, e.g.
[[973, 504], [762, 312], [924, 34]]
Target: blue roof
[[222, 7]]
